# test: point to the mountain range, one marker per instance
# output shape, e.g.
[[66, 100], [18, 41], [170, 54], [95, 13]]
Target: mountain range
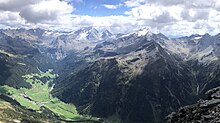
[[140, 77]]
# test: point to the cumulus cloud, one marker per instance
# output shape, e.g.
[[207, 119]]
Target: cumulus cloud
[[217, 5], [34, 12], [186, 3], [110, 6], [179, 17], [78, 1], [134, 3], [15, 5], [165, 17], [45, 11], [195, 15], [176, 16]]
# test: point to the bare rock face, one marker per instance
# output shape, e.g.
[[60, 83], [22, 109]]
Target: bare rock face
[[204, 111]]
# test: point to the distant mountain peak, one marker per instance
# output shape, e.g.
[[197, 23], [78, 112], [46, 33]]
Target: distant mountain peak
[[106, 33], [87, 29], [144, 31], [141, 32], [196, 36]]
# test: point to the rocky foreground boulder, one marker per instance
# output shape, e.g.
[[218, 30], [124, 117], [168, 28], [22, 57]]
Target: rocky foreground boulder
[[204, 111]]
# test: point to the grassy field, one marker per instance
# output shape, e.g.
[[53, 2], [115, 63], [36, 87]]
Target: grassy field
[[39, 95], [10, 113]]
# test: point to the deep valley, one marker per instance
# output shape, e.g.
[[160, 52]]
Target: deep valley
[[96, 76]]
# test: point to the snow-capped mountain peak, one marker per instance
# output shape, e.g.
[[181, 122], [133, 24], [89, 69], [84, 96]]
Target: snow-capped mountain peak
[[106, 34], [141, 32], [144, 31]]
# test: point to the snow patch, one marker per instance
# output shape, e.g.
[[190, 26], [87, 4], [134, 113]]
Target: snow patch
[[83, 35], [47, 33], [196, 38], [141, 32], [144, 32]]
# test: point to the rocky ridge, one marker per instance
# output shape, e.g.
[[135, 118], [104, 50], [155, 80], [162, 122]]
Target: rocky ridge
[[204, 111]]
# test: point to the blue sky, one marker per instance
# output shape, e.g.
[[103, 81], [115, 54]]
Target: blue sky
[[97, 8]]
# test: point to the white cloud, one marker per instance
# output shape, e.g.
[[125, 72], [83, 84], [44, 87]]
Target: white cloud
[[177, 17], [195, 15], [165, 17], [34, 13], [110, 6], [78, 1], [134, 3], [15, 5], [48, 10]]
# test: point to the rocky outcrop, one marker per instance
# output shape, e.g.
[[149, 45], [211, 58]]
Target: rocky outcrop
[[204, 111]]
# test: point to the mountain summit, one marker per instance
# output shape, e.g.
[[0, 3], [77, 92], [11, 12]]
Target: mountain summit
[[144, 31]]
